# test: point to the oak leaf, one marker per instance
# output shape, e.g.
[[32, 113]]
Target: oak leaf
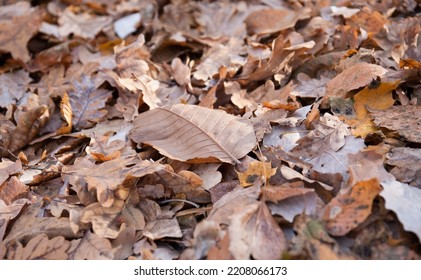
[[12, 190], [107, 177], [7, 168], [406, 162], [83, 25], [13, 86], [40, 247], [193, 133]]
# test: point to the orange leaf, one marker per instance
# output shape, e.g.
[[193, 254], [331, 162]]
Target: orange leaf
[[256, 169], [347, 211]]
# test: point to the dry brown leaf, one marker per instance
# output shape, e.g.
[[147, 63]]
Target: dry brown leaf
[[12, 190], [346, 211], [403, 119], [7, 168], [163, 228], [12, 86], [83, 25], [193, 133], [87, 103], [40, 248], [406, 162], [271, 20], [91, 247], [254, 232], [9, 212], [19, 22], [107, 177], [67, 114], [354, 77]]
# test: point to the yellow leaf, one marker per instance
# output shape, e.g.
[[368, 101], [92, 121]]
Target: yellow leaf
[[378, 98], [256, 169]]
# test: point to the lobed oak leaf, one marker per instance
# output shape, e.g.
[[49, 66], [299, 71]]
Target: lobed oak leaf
[[7, 168], [193, 133], [346, 211], [40, 247], [107, 177], [9, 212], [83, 25]]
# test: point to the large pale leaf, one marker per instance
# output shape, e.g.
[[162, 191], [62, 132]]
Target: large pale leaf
[[193, 133]]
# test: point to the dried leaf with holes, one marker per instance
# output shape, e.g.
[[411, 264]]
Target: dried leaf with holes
[[193, 133]]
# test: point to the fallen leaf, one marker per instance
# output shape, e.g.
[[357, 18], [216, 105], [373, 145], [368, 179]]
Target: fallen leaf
[[106, 178], [255, 232], [266, 21], [163, 228], [12, 190], [188, 132], [91, 247], [346, 211], [40, 248], [7, 168], [256, 169], [83, 25], [87, 103], [9, 212], [406, 162], [403, 200], [19, 22], [403, 119], [354, 77], [12, 86]]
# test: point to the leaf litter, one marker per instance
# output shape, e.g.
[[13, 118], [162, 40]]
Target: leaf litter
[[210, 130]]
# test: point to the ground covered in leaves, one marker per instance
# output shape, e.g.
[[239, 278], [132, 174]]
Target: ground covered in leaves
[[134, 129]]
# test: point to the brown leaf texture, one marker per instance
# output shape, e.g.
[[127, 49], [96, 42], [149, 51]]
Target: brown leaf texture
[[193, 133]]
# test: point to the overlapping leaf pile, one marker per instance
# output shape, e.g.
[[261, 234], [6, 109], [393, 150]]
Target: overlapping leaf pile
[[210, 129]]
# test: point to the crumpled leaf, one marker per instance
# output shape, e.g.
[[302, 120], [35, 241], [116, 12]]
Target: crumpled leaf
[[403, 119], [18, 23], [9, 212], [163, 228], [310, 87], [40, 248], [193, 133], [346, 211], [404, 201]]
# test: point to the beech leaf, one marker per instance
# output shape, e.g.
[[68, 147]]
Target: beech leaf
[[193, 133]]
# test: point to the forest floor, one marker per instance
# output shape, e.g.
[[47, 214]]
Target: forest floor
[[256, 129]]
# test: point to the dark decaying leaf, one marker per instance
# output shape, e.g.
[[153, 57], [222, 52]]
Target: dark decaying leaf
[[188, 132]]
